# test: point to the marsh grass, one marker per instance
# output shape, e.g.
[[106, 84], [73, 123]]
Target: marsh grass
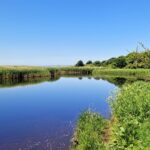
[[76, 70], [22, 71], [32, 71], [88, 133], [138, 73]]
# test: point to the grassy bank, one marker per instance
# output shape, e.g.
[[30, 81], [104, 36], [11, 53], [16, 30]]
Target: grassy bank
[[23, 72], [138, 73], [32, 72], [88, 134], [131, 110], [129, 127]]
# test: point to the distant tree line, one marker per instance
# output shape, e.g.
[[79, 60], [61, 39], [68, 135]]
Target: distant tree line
[[135, 59]]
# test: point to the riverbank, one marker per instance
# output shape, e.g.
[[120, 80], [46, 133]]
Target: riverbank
[[136, 73], [129, 126], [23, 72], [88, 134]]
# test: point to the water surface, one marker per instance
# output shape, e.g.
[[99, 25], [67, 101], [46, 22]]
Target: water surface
[[42, 116]]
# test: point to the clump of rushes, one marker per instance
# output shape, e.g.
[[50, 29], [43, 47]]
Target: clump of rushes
[[72, 70], [76, 70], [131, 110], [89, 131], [23, 71]]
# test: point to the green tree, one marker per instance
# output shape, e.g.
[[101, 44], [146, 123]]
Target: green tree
[[110, 61], [89, 62], [138, 59], [79, 63], [120, 62], [97, 63]]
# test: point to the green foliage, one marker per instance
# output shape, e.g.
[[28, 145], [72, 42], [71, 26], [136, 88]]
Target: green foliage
[[119, 62], [131, 108], [135, 59], [79, 63], [75, 70], [130, 128], [23, 71], [137, 73], [88, 134], [97, 63], [89, 62], [138, 59]]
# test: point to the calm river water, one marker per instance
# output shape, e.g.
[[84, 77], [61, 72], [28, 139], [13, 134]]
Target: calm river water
[[43, 116]]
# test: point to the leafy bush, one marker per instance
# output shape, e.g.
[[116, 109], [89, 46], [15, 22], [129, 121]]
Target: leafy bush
[[89, 62], [120, 62], [138, 59], [131, 109], [97, 63], [79, 63]]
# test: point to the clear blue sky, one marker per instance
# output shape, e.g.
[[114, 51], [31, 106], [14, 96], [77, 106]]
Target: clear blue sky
[[60, 32]]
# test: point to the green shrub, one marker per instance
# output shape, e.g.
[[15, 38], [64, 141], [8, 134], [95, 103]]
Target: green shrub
[[89, 62], [119, 62], [97, 63], [131, 108], [79, 63]]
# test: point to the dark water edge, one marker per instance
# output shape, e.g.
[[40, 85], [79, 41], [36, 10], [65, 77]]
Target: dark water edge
[[10, 82], [40, 113]]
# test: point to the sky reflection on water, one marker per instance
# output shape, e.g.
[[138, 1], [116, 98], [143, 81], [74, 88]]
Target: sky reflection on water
[[42, 116]]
